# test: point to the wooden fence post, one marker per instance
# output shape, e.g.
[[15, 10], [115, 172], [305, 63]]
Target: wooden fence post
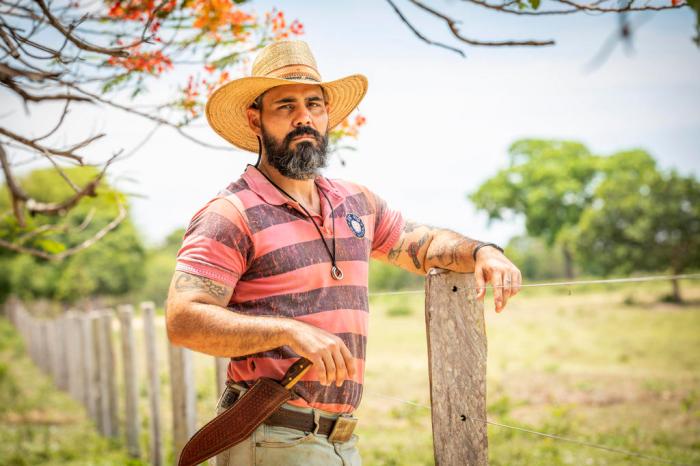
[[152, 369], [61, 351], [457, 362], [108, 376], [90, 366], [221, 368], [183, 396], [72, 339], [126, 313]]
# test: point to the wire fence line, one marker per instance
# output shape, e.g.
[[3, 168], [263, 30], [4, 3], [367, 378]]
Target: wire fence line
[[542, 434], [650, 278]]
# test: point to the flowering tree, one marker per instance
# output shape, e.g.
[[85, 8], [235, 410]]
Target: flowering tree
[[107, 53]]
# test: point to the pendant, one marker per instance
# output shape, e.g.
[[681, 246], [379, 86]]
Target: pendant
[[336, 273]]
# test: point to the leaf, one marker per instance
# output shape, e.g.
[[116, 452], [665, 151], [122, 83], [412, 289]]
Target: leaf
[[535, 4], [120, 79], [49, 245], [227, 60]]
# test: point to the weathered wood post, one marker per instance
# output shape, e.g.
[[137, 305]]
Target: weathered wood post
[[126, 313], [148, 312], [457, 363], [183, 396], [97, 387], [87, 351], [221, 369], [110, 379]]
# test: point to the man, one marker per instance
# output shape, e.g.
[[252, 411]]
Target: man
[[275, 267]]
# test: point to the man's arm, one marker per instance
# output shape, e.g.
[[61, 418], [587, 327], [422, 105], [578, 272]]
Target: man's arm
[[197, 318], [422, 247]]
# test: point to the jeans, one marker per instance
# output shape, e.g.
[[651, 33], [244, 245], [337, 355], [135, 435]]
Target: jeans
[[282, 446]]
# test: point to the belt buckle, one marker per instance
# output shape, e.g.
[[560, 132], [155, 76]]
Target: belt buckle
[[342, 429]]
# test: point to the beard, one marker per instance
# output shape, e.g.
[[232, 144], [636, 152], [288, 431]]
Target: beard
[[304, 161]]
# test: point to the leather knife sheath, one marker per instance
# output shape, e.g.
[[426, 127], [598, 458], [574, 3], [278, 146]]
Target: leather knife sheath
[[240, 420]]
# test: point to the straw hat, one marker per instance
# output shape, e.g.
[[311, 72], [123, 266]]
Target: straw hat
[[280, 63]]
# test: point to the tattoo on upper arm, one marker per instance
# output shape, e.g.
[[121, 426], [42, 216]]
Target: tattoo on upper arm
[[187, 282]]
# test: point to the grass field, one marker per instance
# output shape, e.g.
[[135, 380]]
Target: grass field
[[607, 364]]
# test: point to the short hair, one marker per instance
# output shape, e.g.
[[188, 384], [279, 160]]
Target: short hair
[[257, 102]]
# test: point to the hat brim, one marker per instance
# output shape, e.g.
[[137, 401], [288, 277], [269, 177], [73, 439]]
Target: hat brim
[[226, 107]]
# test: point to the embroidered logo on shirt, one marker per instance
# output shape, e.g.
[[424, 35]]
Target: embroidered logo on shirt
[[356, 225]]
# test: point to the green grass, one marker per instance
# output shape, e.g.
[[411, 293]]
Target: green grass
[[41, 425], [606, 364]]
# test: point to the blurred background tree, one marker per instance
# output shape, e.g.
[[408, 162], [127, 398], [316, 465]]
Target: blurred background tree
[[114, 265], [547, 182], [619, 214], [640, 219]]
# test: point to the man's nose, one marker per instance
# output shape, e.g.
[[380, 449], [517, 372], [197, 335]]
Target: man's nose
[[302, 117]]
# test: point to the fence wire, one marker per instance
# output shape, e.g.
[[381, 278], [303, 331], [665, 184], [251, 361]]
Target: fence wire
[[650, 278], [544, 434]]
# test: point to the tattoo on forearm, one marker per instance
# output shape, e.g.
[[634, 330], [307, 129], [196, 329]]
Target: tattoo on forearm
[[186, 282], [414, 248], [395, 251]]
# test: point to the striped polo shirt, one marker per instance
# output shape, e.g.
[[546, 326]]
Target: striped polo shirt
[[254, 239]]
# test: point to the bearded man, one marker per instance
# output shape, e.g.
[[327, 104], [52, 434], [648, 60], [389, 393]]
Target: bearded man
[[275, 267]]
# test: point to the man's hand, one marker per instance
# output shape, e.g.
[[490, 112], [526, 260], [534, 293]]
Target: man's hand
[[331, 358], [495, 268]]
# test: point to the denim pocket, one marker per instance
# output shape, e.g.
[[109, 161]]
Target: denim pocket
[[282, 437]]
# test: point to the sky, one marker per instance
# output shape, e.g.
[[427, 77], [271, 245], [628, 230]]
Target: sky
[[438, 125]]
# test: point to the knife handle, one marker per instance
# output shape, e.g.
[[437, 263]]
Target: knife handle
[[295, 372]]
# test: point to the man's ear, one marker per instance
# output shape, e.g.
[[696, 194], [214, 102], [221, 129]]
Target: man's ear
[[254, 120]]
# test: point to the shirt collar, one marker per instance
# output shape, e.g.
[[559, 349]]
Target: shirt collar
[[269, 193]]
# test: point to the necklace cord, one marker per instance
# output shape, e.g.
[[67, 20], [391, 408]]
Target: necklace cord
[[318, 229]]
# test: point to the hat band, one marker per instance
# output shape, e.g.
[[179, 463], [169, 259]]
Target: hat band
[[298, 76]]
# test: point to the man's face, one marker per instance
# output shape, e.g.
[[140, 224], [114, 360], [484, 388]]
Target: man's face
[[294, 130]]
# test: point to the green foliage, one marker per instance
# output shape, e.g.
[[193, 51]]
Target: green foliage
[[112, 266], [383, 276], [547, 181], [616, 214], [535, 259], [160, 266], [640, 219]]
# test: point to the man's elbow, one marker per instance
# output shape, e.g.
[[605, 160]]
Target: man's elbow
[[176, 322]]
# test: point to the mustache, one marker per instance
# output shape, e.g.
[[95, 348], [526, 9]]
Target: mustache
[[302, 131]]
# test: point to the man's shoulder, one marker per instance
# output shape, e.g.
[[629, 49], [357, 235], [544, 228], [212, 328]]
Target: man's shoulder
[[347, 188]]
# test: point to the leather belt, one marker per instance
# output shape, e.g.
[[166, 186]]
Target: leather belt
[[339, 429]]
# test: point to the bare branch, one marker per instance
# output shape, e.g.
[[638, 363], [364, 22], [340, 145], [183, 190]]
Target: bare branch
[[17, 194], [452, 24], [58, 125], [70, 251], [154, 118], [53, 208], [46, 150], [50, 228], [421, 36], [115, 52]]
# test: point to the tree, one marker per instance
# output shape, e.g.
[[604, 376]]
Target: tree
[[624, 9], [113, 266], [640, 219], [107, 54], [549, 183]]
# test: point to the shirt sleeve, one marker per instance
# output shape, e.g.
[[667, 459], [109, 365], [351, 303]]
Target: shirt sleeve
[[388, 224], [217, 243]]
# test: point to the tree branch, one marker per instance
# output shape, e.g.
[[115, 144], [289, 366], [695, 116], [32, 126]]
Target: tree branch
[[452, 24], [421, 36], [70, 251]]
